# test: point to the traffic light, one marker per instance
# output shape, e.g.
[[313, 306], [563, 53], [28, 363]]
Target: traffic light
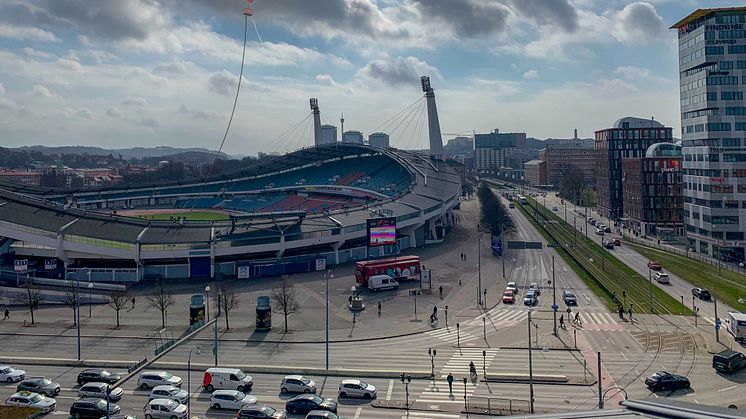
[[401, 377]]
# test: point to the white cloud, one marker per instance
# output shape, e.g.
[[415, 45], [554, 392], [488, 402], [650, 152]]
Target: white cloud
[[638, 74], [325, 79], [6, 103], [531, 74], [26, 33], [84, 113], [40, 91], [134, 101], [398, 70], [113, 113], [2, 89]]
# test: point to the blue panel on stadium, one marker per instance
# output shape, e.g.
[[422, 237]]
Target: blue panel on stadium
[[199, 267]]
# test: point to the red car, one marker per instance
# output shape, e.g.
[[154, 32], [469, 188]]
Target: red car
[[656, 266], [617, 242], [508, 297]]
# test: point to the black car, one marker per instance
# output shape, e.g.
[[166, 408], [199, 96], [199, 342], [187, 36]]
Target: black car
[[570, 298], [609, 244], [701, 293], [663, 380], [728, 361], [98, 376], [305, 403], [93, 408]]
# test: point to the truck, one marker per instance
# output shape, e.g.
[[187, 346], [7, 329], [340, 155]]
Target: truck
[[497, 246], [402, 267], [737, 326]]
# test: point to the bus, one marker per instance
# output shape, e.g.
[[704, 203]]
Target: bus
[[497, 246], [402, 267]]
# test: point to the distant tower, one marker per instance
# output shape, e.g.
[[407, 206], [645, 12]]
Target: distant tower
[[316, 121], [342, 121], [575, 134], [436, 140]]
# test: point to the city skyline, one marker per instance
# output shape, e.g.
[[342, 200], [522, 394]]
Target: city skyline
[[141, 73]]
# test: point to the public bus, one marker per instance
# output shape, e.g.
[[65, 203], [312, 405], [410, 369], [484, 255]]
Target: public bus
[[402, 267]]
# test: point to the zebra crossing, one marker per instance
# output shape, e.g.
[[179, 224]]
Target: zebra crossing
[[451, 335], [598, 321], [458, 365], [708, 320], [506, 317]]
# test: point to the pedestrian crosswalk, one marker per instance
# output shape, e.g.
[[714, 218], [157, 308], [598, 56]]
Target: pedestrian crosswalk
[[458, 365], [506, 317], [600, 321], [416, 414], [708, 320], [451, 335]]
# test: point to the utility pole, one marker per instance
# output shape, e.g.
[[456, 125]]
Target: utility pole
[[715, 301], [554, 298], [479, 266], [600, 387], [530, 369], [650, 287]]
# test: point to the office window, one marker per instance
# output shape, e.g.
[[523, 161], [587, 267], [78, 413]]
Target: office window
[[736, 49], [725, 65], [731, 95]]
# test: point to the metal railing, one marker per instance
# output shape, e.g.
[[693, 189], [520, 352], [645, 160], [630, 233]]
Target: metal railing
[[496, 405]]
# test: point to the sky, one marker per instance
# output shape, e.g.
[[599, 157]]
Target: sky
[[126, 73]]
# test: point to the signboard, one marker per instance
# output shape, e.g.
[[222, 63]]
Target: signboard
[[524, 245], [321, 264], [21, 265], [381, 231], [243, 272], [50, 264]]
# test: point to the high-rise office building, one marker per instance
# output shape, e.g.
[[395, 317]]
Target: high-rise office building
[[352, 137], [712, 71], [379, 139], [492, 151], [328, 134]]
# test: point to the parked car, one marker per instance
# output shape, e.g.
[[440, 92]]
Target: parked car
[[508, 297], [569, 297], [728, 361], [305, 403], [382, 282], [98, 375], [165, 408], [98, 390], [663, 380], [150, 379], [592, 221], [227, 379], [607, 229], [661, 277], [29, 399], [260, 411], [656, 266], [321, 414], [9, 374], [169, 392], [230, 399], [512, 286], [356, 388], [39, 385], [701, 293], [535, 287], [92, 408], [555, 209], [511, 205], [530, 299], [599, 232]]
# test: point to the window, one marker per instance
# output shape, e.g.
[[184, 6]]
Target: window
[[735, 110], [722, 80], [731, 95], [731, 142], [708, 51], [734, 235], [733, 158], [718, 126], [736, 49], [725, 65]]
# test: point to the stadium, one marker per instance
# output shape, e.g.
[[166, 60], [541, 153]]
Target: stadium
[[298, 212]]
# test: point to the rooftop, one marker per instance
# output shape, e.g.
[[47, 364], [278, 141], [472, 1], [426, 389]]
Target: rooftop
[[700, 13]]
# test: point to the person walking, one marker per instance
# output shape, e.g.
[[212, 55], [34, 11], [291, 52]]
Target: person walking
[[577, 318], [379, 308], [7, 314], [133, 302], [621, 312], [450, 383], [441, 291], [562, 321], [629, 311]]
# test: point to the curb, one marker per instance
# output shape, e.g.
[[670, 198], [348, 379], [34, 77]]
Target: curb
[[535, 348]]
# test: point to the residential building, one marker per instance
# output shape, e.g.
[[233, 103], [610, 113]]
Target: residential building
[[328, 134], [379, 139], [492, 151], [560, 155], [352, 137], [21, 177], [535, 172], [653, 192], [712, 71], [630, 137]]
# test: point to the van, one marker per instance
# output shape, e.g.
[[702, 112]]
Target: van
[[227, 379], [737, 326], [728, 361], [661, 277], [382, 282]]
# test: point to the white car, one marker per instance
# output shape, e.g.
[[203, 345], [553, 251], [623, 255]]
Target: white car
[[512, 286], [230, 399], [661, 277], [29, 399], [150, 379], [164, 408], [297, 384], [356, 388], [98, 390], [10, 374], [169, 392]]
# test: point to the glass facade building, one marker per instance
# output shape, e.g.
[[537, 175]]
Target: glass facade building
[[712, 70]]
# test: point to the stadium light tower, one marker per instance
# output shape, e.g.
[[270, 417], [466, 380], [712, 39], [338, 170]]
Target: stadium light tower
[[436, 139], [316, 121]]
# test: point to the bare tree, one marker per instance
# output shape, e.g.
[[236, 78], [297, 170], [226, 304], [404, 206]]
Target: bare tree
[[285, 301], [117, 301], [71, 300], [229, 300], [161, 300], [30, 299]]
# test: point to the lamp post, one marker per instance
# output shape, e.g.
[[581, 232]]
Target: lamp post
[[530, 368], [466, 406], [189, 378], [327, 277], [432, 353], [90, 296], [554, 298], [207, 303], [479, 266], [77, 303]]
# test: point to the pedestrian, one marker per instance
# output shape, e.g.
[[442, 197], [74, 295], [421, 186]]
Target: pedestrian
[[562, 321], [441, 291], [629, 311], [459, 282], [133, 302], [7, 314], [577, 318], [349, 300], [621, 312], [379, 308], [450, 383]]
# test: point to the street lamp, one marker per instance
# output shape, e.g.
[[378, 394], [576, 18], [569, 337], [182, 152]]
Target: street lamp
[[90, 296], [458, 335], [78, 274], [207, 303], [189, 377], [530, 368], [327, 277], [406, 379]]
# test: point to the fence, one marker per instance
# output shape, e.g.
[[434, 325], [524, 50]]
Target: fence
[[496, 405]]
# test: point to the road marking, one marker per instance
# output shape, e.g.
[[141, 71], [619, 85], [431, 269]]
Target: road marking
[[391, 387], [357, 412], [612, 342], [624, 356], [726, 389], [696, 401]]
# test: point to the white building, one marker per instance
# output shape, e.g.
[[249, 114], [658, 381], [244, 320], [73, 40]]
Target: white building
[[328, 134], [378, 139], [352, 137]]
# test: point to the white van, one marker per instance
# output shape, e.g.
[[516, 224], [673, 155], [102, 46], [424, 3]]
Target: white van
[[382, 282], [661, 277], [227, 379], [737, 326]]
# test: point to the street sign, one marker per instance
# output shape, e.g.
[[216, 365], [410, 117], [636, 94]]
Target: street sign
[[516, 244], [50, 264], [533, 245], [554, 245], [717, 324], [20, 265], [555, 307]]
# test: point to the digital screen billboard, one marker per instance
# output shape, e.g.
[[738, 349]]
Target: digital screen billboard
[[381, 231]]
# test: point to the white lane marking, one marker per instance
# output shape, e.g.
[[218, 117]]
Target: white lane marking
[[357, 412], [623, 356], [695, 401], [391, 387], [612, 342], [726, 389]]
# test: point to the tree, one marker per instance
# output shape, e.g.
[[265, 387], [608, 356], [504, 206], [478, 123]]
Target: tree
[[117, 301], [161, 300], [285, 301], [494, 215], [572, 183], [31, 299], [71, 300], [229, 300]]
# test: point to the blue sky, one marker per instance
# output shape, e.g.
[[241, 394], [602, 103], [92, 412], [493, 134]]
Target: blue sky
[[145, 72]]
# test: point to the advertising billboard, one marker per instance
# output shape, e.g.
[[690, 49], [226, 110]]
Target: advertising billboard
[[381, 231]]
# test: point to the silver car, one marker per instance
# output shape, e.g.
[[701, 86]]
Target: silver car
[[169, 392], [98, 390], [163, 408], [230, 399], [297, 384], [150, 379], [39, 385]]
